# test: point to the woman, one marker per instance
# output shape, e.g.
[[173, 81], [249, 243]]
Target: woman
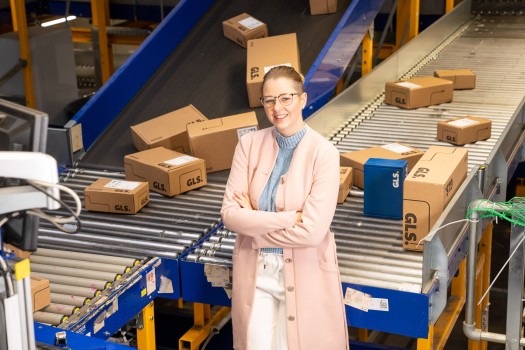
[[280, 200]]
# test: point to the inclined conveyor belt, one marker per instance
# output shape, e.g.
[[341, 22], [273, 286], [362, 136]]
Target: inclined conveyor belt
[[209, 71]]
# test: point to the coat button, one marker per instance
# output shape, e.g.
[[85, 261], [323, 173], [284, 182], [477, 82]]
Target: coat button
[[288, 260], [290, 289], [291, 318]]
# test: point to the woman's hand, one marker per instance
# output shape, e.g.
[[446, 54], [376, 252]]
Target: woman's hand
[[243, 199], [299, 217]]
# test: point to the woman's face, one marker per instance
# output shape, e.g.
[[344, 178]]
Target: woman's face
[[287, 118]]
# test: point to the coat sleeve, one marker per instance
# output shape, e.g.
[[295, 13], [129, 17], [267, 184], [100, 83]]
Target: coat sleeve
[[248, 222], [318, 211]]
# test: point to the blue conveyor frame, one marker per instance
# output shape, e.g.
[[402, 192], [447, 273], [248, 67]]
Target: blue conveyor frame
[[107, 104]]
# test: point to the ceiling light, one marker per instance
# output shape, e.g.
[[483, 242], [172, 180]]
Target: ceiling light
[[57, 21]]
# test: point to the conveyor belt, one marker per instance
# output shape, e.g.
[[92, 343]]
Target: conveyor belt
[[208, 71]]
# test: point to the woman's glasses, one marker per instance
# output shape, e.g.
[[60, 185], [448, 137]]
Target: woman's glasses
[[284, 99]]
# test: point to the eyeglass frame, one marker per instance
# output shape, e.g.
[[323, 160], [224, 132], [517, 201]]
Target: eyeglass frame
[[277, 98]]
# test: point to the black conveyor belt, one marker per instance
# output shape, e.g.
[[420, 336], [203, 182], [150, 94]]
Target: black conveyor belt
[[208, 71]]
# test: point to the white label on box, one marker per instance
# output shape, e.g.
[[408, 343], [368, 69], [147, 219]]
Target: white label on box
[[408, 84], [267, 69], [357, 299], [243, 131], [463, 122], [122, 185], [180, 160], [378, 304], [397, 148], [251, 23]]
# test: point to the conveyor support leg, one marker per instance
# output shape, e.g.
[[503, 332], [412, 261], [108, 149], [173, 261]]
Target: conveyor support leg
[[427, 344], [366, 52], [482, 283], [362, 334], [100, 11], [407, 19], [203, 321], [146, 334], [18, 14]]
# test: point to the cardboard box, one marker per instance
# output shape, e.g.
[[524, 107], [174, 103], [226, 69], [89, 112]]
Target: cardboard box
[[346, 181], [215, 140], [320, 7], [244, 27], [418, 92], [40, 293], [22, 254], [429, 187], [264, 54], [168, 130], [116, 196], [357, 159], [383, 195], [462, 78], [167, 172], [463, 130]]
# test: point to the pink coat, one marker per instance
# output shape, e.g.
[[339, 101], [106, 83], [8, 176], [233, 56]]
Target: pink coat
[[314, 298]]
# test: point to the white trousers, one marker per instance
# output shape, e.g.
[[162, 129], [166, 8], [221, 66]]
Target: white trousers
[[267, 328]]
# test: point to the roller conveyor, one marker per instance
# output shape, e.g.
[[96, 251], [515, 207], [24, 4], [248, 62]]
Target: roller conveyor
[[76, 289]]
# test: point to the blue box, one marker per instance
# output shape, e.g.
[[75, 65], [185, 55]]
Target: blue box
[[384, 187]]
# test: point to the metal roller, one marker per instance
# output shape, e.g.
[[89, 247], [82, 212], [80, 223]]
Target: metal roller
[[75, 272], [49, 318], [213, 253], [118, 241], [132, 238], [72, 244], [105, 259], [47, 260], [66, 299], [75, 281], [214, 260], [61, 309], [75, 291]]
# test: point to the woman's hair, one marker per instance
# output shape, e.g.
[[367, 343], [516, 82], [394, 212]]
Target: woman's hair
[[285, 72]]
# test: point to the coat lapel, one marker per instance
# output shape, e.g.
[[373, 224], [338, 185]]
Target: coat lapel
[[267, 157]]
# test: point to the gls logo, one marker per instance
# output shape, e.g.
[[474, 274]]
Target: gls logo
[[400, 100], [451, 138], [120, 207], [395, 179], [194, 181], [421, 172], [448, 189], [254, 72], [159, 186], [410, 226]]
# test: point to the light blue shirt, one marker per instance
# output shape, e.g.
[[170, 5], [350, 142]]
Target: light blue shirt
[[287, 146]]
